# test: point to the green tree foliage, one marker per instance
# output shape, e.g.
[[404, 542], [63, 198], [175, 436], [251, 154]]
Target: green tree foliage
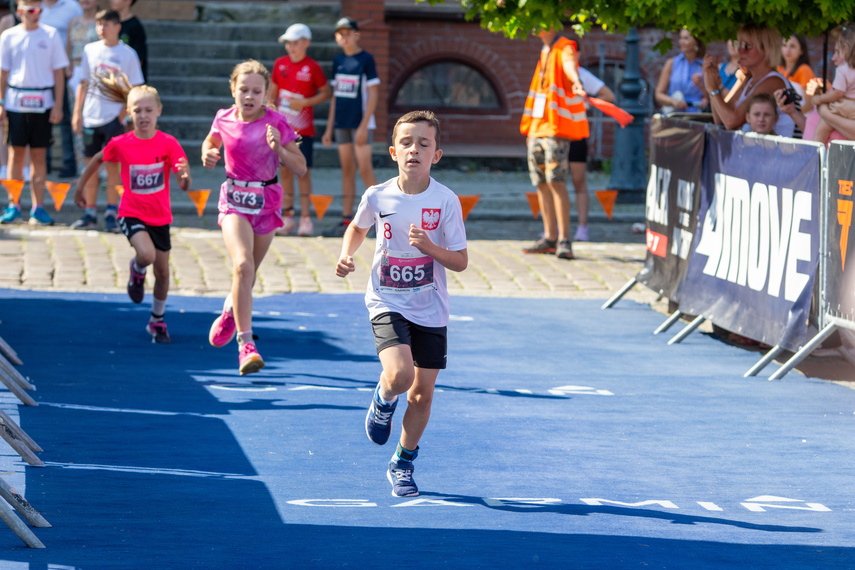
[[712, 20]]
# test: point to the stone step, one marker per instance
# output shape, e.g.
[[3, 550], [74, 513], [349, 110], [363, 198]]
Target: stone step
[[196, 127], [220, 68], [309, 12], [162, 30], [323, 157], [208, 105]]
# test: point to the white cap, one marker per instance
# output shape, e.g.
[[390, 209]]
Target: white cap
[[296, 32]]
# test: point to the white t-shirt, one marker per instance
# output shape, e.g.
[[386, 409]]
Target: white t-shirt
[[404, 280], [31, 57], [98, 58], [59, 16], [590, 82]]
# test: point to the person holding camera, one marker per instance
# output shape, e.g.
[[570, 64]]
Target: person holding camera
[[759, 53], [796, 67]]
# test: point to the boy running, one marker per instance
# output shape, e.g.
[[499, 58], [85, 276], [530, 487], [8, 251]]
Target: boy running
[[297, 85], [420, 233], [146, 156], [96, 117]]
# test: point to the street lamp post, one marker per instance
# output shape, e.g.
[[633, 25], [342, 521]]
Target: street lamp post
[[629, 163]]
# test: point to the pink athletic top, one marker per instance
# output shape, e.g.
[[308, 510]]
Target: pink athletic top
[[146, 164], [248, 156]]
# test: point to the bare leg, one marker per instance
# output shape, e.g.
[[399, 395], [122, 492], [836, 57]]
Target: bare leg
[[579, 171], [348, 178], [247, 250], [38, 175]]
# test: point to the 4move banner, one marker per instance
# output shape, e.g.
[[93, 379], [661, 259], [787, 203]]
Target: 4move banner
[[673, 198], [756, 248]]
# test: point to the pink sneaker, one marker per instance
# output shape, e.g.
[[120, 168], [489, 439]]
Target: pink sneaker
[[250, 360], [288, 228], [223, 330], [305, 229]]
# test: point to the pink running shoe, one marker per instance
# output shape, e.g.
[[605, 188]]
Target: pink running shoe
[[250, 360], [223, 330]]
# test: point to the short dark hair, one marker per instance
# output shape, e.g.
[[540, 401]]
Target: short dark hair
[[762, 98], [418, 117], [108, 16]]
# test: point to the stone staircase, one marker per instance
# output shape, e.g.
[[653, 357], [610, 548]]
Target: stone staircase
[[190, 62]]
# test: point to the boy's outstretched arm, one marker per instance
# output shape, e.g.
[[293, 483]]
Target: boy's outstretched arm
[[91, 167], [453, 260], [353, 238]]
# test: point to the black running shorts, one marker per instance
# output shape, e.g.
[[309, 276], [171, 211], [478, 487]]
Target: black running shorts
[[159, 234], [428, 344]]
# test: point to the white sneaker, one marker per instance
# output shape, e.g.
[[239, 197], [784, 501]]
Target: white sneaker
[[305, 229], [581, 234], [4, 170], [288, 228]]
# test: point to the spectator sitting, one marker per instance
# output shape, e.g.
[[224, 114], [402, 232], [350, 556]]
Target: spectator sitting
[[676, 91], [762, 114], [759, 54], [796, 68], [840, 100]]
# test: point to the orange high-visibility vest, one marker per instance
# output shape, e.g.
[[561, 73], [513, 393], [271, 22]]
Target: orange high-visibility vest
[[564, 110]]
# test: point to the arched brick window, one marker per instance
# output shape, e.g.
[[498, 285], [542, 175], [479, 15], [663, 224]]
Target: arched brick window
[[447, 85]]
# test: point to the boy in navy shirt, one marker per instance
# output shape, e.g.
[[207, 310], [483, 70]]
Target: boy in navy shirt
[[351, 119]]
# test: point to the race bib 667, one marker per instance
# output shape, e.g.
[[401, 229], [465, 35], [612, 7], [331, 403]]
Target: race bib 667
[[147, 178]]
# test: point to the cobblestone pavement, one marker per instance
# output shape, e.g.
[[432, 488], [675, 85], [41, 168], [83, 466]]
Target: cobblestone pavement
[[60, 259]]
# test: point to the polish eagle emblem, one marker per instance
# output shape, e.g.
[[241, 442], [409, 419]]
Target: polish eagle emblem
[[430, 218]]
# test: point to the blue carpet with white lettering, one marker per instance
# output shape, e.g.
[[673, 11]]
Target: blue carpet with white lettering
[[562, 435]]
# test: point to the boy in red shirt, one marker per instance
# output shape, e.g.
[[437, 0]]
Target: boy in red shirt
[[297, 85], [146, 156]]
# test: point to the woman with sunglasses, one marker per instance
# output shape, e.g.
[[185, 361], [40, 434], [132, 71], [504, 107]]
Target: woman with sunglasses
[[759, 54]]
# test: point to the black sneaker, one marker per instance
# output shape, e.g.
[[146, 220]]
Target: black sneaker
[[158, 333], [136, 285], [565, 249], [87, 222], [337, 230], [542, 245]]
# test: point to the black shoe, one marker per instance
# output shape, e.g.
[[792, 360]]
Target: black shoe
[[542, 245], [565, 249]]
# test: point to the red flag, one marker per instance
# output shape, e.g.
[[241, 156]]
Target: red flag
[[622, 117]]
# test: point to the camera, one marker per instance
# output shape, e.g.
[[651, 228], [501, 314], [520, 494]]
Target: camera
[[791, 96]]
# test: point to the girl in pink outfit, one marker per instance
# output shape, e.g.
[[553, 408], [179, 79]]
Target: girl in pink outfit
[[257, 140], [840, 100], [146, 156]]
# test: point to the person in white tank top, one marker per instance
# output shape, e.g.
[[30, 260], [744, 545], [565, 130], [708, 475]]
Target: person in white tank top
[[759, 54]]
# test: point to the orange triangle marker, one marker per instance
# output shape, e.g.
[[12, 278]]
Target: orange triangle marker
[[200, 198], [120, 189], [14, 188], [467, 203], [533, 203], [321, 202], [607, 200], [58, 191]]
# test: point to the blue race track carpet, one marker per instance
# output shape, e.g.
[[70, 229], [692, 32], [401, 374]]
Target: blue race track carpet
[[562, 436]]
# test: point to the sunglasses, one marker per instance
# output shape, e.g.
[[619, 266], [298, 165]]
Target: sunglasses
[[29, 9], [743, 46]]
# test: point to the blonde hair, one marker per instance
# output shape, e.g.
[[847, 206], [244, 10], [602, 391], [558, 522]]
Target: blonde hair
[[142, 91], [846, 44], [768, 40], [418, 117], [249, 67]]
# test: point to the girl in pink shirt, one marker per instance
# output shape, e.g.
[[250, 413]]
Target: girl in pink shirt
[[146, 156], [257, 140]]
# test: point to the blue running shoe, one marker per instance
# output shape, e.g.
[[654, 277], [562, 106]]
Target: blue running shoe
[[378, 422], [39, 217], [400, 475], [87, 222], [10, 214], [110, 223]]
